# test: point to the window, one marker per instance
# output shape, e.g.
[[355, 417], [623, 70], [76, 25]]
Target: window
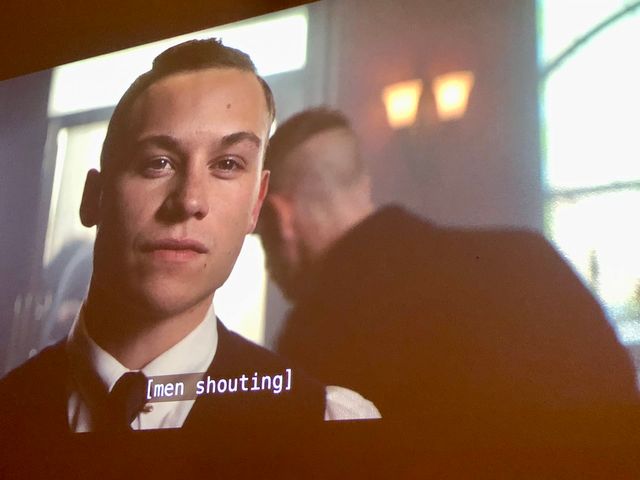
[[277, 43], [590, 98]]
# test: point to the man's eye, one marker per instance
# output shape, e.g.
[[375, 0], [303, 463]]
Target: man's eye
[[158, 164], [226, 164]]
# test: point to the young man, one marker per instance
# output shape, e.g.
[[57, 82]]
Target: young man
[[181, 184]]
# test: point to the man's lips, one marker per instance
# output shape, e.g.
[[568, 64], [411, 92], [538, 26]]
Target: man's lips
[[172, 244]]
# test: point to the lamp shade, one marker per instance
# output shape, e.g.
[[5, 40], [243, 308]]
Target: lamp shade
[[401, 102], [451, 92]]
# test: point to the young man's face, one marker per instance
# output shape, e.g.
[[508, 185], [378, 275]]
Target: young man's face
[[187, 186]]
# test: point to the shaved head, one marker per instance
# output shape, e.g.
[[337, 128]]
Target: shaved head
[[322, 165], [314, 146], [319, 189]]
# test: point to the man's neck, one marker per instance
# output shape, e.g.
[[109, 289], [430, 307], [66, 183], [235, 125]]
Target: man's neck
[[133, 336]]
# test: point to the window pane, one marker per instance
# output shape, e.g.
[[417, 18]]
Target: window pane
[[591, 106], [600, 235], [276, 43], [240, 302], [564, 21], [78, 152]]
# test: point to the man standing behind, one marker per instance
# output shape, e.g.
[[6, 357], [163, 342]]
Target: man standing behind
[[422, 320], [181, 184]]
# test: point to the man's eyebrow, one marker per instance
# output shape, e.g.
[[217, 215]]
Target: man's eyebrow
[[237, 137], [172, 143], [163, 141]]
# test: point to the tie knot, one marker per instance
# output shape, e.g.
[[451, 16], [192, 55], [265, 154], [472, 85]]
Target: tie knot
[[127, 397]]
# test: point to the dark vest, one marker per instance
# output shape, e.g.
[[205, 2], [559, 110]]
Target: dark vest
[[33, 397], [235, 356]]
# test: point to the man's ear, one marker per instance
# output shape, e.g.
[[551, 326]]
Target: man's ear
[[91, 198], [284, 212], [262, 193]]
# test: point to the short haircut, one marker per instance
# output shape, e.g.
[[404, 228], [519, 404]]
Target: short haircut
[[295, 131], [189, 56]]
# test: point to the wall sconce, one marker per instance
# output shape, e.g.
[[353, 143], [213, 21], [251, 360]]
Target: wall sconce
[[451, 92], [401, 101]]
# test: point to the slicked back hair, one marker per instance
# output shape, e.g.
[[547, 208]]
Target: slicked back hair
[[295, 131], [190, 56]]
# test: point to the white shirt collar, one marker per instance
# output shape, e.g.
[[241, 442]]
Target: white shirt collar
[[194, 353]]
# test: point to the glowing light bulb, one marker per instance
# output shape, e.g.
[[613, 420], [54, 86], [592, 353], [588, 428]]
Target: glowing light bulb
[[451, 92], [401, 102]]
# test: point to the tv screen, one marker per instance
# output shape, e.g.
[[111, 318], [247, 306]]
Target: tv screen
[[478, 268]]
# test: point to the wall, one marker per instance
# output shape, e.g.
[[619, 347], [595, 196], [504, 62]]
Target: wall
[[483, 170], [23, 131]]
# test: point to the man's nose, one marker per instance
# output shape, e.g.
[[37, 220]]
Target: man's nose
[[190, 195]]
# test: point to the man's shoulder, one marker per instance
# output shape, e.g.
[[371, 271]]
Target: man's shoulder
[[34, 394], [394, 237], [397, 221], [391, 223], [237, 355], [409, 241], [262, 388], [41, 371], [243, 351]]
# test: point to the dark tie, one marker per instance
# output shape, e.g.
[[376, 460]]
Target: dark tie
[[125, 401]]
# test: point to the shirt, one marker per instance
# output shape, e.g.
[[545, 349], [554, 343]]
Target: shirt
[[94, 370]]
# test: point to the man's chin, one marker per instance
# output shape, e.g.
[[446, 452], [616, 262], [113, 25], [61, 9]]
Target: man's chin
[[155, 296], [165, 303]]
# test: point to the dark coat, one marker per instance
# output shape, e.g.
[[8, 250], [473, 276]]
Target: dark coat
[[431, 321]]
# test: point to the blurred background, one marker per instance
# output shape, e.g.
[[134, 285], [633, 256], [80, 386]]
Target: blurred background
[[510, 113]]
